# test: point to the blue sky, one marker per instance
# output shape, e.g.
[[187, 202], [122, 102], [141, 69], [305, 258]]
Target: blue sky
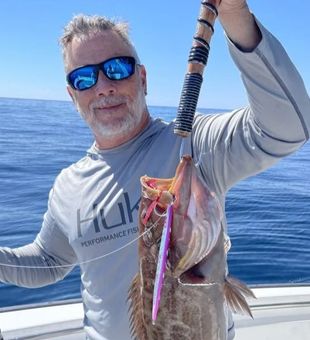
[[162, 31]]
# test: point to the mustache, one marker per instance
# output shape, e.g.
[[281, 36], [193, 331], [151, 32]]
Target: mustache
[[108, 101]]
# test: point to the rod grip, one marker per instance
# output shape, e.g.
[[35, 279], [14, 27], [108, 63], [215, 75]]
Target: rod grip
[[197, 61], [188, 104]]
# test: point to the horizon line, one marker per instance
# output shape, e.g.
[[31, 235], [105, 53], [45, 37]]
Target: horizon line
[[149, 105]]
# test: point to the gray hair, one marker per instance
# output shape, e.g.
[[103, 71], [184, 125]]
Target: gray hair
[[83, 26]]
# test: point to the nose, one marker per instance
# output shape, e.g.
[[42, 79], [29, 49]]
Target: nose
[[104, 86]]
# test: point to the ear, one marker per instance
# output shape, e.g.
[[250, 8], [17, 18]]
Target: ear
[[143, 78]]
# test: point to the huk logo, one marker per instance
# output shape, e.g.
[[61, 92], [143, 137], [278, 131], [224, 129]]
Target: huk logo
[[98, 219]]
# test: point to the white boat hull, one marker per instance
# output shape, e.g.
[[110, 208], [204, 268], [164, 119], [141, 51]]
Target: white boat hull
[[280, 313]]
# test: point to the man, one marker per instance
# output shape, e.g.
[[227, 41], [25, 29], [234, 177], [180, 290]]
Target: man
[[93, 205]]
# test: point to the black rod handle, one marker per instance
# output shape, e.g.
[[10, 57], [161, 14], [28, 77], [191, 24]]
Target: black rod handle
[[197, 61]]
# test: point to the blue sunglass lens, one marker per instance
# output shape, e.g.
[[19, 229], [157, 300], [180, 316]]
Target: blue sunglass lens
[[83, 78], [118, 68]]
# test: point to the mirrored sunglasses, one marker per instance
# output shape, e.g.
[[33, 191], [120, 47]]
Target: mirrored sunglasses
[[117, 68]]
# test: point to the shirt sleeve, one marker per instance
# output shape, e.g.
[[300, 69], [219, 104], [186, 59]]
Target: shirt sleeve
[[47, 260], [232, 146]]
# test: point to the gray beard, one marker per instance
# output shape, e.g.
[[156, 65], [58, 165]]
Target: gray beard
[[121, 127]]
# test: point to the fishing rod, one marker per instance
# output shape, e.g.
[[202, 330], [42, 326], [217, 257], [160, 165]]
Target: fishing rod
[[197, 61]]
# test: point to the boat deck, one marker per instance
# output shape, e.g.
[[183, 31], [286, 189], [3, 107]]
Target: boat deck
[[280, 313]]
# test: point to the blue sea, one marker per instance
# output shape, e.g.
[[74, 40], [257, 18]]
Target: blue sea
[[268, 215]]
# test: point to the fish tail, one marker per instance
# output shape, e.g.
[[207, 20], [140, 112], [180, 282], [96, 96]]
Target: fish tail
[[235, 293]]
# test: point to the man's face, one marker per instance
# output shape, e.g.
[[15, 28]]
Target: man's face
[[114, 110]]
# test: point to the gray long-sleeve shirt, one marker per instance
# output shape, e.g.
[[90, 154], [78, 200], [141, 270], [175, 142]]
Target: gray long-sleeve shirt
[[93, 205]]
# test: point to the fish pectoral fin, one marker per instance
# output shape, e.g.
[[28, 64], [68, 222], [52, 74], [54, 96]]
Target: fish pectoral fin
[[236, 293]]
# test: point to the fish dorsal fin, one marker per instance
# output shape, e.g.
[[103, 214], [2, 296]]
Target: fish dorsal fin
[[137, 326], [235, 293]]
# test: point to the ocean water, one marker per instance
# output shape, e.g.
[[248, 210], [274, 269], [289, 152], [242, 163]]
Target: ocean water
[[268, 215]]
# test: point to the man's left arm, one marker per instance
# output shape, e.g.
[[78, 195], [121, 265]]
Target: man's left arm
[[241, 143], [281, 81]]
